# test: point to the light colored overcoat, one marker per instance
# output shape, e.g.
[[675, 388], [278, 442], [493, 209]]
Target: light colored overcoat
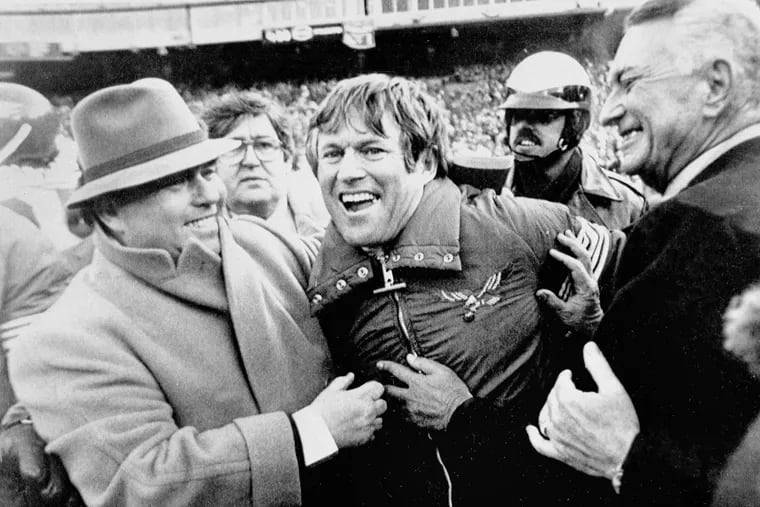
[[168, 384]]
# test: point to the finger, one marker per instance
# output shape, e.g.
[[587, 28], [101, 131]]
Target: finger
[[541, 445], [425, 365], [371, 390], [543, 421], [377, 423], [555, 402], [33, 466], [600, 370], [580, 274], [398, 393], [341, 383], [399, 371], [564, 386], [551, 300], [380, 406], [577, 249], [578, 271]]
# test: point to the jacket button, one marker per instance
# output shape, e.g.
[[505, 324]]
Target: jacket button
[[340, 284], [316, 299], [419, 256], [395, 257], [469, 316], [362, 272], [448, 257]]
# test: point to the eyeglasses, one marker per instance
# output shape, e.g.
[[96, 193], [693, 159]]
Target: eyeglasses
[[534, 116], [570, 93], [265, 150]]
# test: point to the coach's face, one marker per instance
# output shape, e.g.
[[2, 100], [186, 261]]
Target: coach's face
[[368, 189], [655, 102], [184, 208]]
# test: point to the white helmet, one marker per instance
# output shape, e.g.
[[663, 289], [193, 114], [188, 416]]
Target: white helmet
[[548, 80]]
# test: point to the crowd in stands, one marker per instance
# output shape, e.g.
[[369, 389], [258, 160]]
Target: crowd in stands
[[471, 96]]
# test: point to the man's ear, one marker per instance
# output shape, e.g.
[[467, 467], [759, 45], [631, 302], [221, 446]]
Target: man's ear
[[110, 217], [426, 165], [720, 80]]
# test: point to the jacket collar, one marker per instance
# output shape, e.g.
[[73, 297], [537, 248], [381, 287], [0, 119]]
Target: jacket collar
[[430, 240], [593, 180]]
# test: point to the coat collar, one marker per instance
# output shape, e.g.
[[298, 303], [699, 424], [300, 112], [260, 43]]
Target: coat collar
[[195, 277], [430, 240], [593, 180]]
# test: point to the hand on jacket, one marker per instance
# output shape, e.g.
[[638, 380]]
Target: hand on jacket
[[41, 476], [351, 415], [582, 312], [591, 432], [432, 394]]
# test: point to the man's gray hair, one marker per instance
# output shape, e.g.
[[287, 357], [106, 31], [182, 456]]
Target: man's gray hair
[[709, 30]]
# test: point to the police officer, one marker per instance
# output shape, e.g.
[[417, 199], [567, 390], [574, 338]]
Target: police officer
[[547, 111]]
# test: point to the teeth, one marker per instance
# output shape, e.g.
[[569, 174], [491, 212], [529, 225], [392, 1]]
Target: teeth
[[629, 134], [526, 143], [201, 222], [357, 197]]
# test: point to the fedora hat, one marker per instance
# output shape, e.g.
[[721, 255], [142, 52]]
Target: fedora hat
[[132, 134]]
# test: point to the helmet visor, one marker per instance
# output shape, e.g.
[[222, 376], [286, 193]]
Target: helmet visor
[[565, 97]]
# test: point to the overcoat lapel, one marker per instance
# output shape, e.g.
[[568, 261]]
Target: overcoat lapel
[[275, 360]]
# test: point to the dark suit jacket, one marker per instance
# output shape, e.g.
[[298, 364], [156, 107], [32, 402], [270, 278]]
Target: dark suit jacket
[[662, 333]]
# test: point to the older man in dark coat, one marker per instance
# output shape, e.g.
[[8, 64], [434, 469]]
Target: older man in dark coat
[[684, 100]]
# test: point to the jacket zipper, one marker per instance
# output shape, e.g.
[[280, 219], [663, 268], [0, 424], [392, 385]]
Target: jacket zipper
[[412, 346]]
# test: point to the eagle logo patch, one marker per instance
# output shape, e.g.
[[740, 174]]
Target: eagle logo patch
[[473, 300]]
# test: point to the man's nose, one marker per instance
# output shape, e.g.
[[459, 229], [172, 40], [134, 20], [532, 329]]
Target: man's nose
[[612, 111], [206, 190], [516, 123], [351, 166], [249, 156]]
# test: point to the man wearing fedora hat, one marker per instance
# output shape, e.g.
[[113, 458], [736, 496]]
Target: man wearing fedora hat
[[182, 366]]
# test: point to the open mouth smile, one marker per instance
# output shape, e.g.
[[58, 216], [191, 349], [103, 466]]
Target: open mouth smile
[[627, 136], [202, 223], [358, 201]]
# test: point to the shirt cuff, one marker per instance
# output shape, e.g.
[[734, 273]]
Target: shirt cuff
[[316, 439]]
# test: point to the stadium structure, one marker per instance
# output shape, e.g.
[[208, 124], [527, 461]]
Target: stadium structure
[[69, 45]]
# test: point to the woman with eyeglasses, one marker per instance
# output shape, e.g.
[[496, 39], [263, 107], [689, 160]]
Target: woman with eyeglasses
[[261, 176]]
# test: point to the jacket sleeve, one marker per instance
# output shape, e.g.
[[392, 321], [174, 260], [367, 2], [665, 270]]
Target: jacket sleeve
[[32, 276], [539, 222], [32, 273], [108, 420]]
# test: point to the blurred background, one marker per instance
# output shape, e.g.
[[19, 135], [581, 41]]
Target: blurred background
[[461, 50]]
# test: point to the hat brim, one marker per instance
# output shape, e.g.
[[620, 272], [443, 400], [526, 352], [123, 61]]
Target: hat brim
[[155, 169]]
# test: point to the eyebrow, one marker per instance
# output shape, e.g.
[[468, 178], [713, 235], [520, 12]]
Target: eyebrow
[[628, 71], [256, 138]]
